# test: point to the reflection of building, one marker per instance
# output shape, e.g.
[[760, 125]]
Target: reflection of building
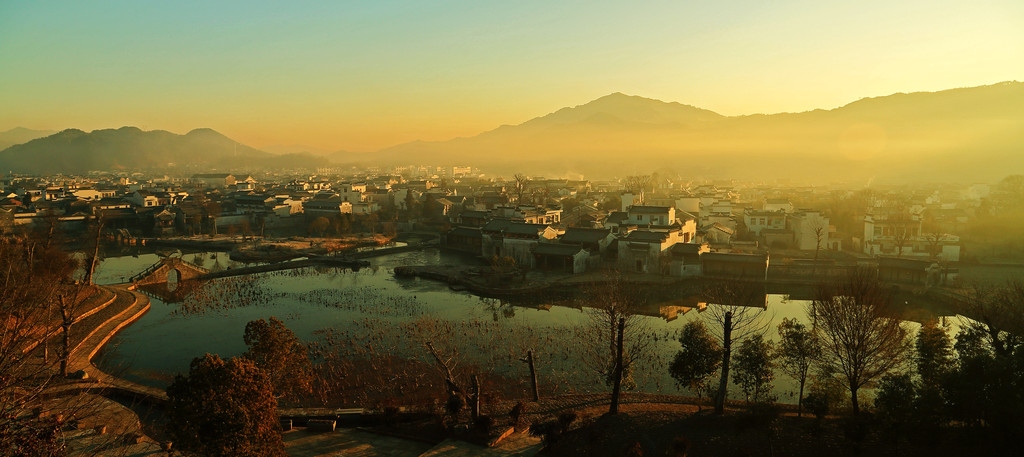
[[730, 265], [672, 309]]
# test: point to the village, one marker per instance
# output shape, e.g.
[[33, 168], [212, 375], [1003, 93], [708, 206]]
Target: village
[[649, 224]]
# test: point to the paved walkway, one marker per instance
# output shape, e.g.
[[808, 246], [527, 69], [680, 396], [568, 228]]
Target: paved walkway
[[90, 411], [127, 307], [79, 402], [349, 442]]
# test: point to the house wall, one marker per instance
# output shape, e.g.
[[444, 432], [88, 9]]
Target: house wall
[[679, 267], [804, 227], [580, 262], [650, 258], [519, 249]]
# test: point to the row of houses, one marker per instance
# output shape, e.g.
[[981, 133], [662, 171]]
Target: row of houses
[[643, 239]]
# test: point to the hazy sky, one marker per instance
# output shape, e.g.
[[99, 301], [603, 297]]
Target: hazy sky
[[364, 75]]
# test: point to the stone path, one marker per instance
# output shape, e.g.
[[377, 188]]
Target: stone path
[[110, 310], [349, 442], [517, 445], [89, 411]]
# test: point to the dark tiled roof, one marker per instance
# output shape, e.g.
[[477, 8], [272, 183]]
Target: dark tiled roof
[[525, 229], [496, 225], [584, 235], [649, 209], [465, 231], [646, 236], [557, 249], [616, 217], [686, 248]]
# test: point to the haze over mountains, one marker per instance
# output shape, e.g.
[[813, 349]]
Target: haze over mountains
[[75, 151], [959, 134], [968, 134], [20, 135]]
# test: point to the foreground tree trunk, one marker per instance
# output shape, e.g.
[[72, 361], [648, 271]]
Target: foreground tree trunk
[[853, 398], [723, 384], [617, 386], [533, 375], [67, 319], [800, 401]]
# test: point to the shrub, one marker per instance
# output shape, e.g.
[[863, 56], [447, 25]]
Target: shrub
[[484, 422], [566, 419], [818, 404], [455, 405], [516, 414], [548, 431]]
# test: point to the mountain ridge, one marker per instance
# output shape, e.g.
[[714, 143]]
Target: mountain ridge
[[19, 135], [76, 151], [951, 126]]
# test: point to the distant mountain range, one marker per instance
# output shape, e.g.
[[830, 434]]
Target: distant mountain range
[[967, 134], [20, 135], [75, 151], [953, 135]]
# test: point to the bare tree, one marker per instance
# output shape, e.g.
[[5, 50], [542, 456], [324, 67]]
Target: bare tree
[[819, 230], [859, 330], [614, 323], [995, 312], [521, 183], [735, 311], [33, 274], [638, 185], [797, 350], [903, 224], [96, 240]]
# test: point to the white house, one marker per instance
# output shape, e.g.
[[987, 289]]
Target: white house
[[808, 226], [644, 250], [651, 215]]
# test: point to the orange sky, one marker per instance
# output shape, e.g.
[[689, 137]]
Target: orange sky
[[333, 75]]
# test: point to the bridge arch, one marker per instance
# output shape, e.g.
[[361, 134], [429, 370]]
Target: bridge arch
[[173, 278], [167, 270]]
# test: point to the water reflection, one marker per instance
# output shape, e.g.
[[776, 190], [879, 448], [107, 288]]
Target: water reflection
[[209, 316]]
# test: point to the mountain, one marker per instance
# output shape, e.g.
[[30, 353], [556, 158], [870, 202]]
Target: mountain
[[953, 135], [20, 135], [74, 151]]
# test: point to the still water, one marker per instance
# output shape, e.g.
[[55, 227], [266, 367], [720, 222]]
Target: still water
[[164, 341]]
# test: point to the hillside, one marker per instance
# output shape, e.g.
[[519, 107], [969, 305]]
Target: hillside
[[75, 151], [954, 135], [19, 135]]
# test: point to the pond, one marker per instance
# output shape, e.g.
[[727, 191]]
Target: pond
[[371, 301]]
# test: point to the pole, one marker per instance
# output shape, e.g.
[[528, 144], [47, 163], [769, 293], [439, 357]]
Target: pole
[[533, 375]]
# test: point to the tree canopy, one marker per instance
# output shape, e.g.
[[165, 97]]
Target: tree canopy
[[224, 408]]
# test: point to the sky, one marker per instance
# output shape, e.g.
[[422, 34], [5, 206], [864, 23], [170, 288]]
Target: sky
[[360, 76]]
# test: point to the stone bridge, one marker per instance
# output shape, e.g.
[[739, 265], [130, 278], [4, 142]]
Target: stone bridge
[[158, 273]]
